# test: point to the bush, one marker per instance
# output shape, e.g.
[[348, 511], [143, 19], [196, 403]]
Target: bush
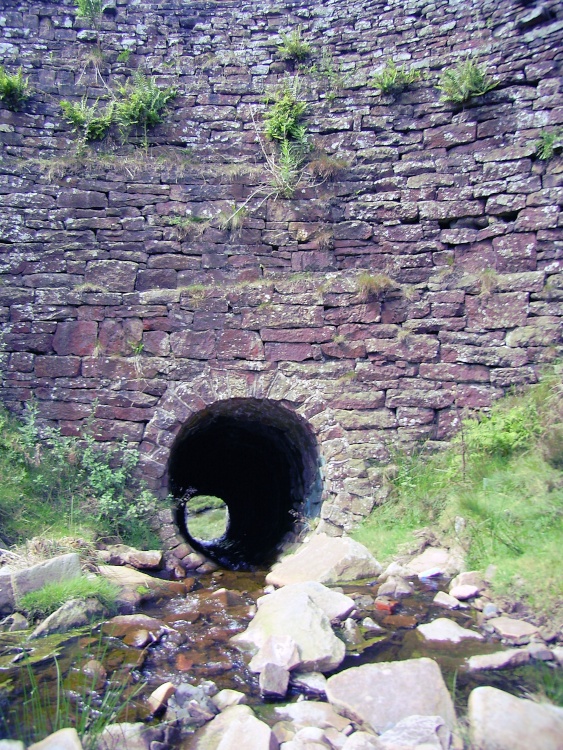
[[285, 116], [141, 105], [465, 81], [293, 47], [88, 122], [14, 89]]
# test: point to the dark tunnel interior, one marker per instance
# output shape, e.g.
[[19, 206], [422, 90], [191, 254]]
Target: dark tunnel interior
[[261, 459]]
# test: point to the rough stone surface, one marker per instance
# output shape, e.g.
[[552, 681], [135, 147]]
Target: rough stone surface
[[327, 560], [227, 698], [500, 721], [64, 739], [319, 649], [127, 736], [313, 714], [434, 561], [443, 629], [11, 745], [274, 680], [417, 732], [280, 649], [72, 614], [445, 600], [515, 631], [512, 657], [59, 568], [383, 694], [362, 741], [234, 728]]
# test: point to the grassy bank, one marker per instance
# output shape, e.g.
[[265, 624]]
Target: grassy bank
[[497, 491], [57, 486]]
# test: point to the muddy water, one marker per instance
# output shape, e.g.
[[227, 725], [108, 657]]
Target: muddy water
[[197, 648]]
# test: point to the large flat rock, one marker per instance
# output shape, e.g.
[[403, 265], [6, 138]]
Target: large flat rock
[[234, 729], [326, 559], [293, 612], [383, 694], [446, 630], [500, 721]]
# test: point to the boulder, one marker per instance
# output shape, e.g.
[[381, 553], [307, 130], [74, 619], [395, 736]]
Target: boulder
[[395, 587], [325, 559], [11, 745], [517, 631], [121, 554], [383, 694], [513, 657], [313, 683], [313, 714], [136, 630], [129, 579], [464, 591], [469, 577], [158, 699], [64, 739], [424, 732], [437, 560], [130, 737], [274, 680], [445, 600], [72, 614], [227, 698], [7, 598], [61, 568], [362, 741], [235, 728], [277, 649], [443, 629], [500, 721], [318, 647]]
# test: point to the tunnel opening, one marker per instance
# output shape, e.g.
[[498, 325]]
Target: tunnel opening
[[261, 460]]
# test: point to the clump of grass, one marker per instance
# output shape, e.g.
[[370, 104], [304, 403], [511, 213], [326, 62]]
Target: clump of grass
[[372, 285], [187, 226], [392, 79], [41, 603], [502, 480], [233, 219], [207, 517], [141, 104], [326, 168], [14, 89], [464, 82], [548, 141], [89, 122], [293, 46]]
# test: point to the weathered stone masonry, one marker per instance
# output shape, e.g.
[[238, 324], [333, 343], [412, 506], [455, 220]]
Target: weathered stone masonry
[[105, 301]]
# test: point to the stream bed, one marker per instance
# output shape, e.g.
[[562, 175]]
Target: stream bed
[[39, 677]]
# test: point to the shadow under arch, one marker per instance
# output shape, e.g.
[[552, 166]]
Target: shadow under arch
[[262, 460]]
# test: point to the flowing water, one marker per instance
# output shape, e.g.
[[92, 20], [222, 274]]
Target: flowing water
[[197, 648]]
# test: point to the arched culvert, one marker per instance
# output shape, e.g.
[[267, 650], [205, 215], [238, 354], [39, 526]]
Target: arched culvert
[[261, 459]]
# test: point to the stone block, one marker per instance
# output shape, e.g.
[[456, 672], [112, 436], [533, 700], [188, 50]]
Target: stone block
[[232, 344], [61, 568], [493, 311], [162, 278], [81, 199], [193, 344], [7, 599], [75, 337], [288, 352], [156, 342], [57, 367], [111, 275]]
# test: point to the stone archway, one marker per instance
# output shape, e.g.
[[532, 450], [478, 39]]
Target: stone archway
[[347, 487]]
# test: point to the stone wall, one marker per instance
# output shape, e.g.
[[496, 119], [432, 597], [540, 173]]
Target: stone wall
[[417, 284]]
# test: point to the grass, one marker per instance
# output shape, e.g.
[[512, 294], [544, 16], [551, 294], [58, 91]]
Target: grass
[[464, 82], [43, 602], [58, 486], [207, 517], [373, 285], [392, 79], [293, 47], [497, 490], [548, 141], [14, 89]]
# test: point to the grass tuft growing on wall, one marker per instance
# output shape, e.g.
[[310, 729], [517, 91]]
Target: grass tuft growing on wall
[[497, 490]]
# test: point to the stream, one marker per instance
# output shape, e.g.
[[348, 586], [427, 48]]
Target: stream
[[34, 675]]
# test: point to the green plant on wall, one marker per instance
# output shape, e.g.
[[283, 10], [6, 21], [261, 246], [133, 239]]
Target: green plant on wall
[[329, 72], [89, 122], [90, 9], [141, 104], [465, 81], [548, 142], [14, 89], [293, 47], [392, 79]]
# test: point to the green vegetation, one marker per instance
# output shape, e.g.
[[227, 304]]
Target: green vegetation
[[207, 517], [328, 71], [498, 490], [233, 220], [14, 89], [142, 104], [293, 47], [392, 80], [124, 56], [465, 81], [41, 603], [90, 9], [372, 285], [547, 143], [65, 486], [89, 122]]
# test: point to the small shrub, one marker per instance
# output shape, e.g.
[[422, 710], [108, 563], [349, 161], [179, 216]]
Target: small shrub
[[293, 47], [41, 603], [465, 81], [14, 89], [90, 9], [89, 122], [371, 285], [548, 141], [329, 71], [141, 105], [284, 118], [124, 56], [392, 79]]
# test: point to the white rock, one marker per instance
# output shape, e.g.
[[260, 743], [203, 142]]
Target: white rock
[[158, 699], [312, 714], [277, 649], [513, 657], [445, 600], [11, 745], [325, 559], [362, 741], [417, 732], [448, 562], [464, 591], [319, 648], [125, 736], [443, 629], [227, 698], [500, 721], [335, 605], [274, 680], [517, 631], [64, 739], [234, 729], [309, 682], [60, 568], [384, 693], [558, 654], [471, 577]]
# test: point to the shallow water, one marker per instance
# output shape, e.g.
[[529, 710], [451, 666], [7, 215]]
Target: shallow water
[[198, 649]]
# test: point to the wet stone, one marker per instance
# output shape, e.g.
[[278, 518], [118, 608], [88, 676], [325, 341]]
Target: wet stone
[[274, 680]]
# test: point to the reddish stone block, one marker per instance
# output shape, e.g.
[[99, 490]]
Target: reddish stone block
[[120, 336], [57, 367], [386, 605], [505, 310], [454, 372], [81, 199], [449, 209], [446, 136], [193, 344], [156, 342], [162, 278], [233, 344], [545, 217], [419, 398], [352, 230], [516, 252], [344, 350], [418, 348], [298, 335], [38, 343], [476, 396], [21, 362], [288, 352], [475, 257], [76, 337], [64, 410], [111, 275], [413, 416]]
